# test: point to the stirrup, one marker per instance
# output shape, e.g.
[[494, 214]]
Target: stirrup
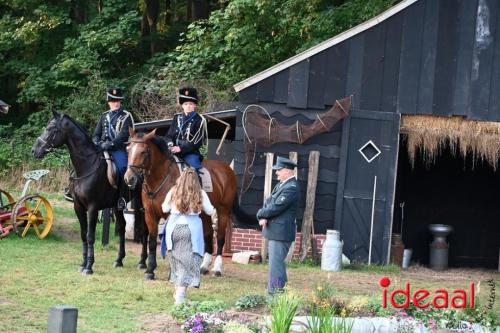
[[67, 194], [122, 204]]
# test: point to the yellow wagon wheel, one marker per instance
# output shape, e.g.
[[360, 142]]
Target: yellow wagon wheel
[[32, 211], [6, 203]]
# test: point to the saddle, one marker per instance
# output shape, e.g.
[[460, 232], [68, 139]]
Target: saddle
[[206, 179], [112, 173]]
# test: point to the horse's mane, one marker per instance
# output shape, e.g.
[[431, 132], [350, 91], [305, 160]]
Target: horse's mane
[[79, 126], [158, 141]]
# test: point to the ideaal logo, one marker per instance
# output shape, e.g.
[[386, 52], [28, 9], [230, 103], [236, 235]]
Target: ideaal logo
[[441, 298]]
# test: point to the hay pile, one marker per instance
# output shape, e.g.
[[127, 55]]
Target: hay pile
[[428, 135]]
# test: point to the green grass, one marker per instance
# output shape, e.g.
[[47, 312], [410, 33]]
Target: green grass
[[37, 274]]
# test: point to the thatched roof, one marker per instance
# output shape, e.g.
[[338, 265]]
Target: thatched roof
[[430, 134]]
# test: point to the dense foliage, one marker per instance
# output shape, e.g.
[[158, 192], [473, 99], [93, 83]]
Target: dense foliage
[[63, 53]]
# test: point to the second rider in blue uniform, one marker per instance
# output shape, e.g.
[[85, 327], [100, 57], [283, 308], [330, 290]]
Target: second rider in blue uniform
[[186, 135], [111, 133]]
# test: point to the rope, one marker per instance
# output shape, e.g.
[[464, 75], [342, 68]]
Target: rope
[[243, 120]]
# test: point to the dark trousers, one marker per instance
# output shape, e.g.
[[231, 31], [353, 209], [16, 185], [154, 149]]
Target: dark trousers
[[277, 277], [121, 160], [193, 160]]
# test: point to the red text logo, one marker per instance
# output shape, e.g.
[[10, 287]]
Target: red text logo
[[440, 298]]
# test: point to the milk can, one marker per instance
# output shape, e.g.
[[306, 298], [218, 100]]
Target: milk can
[[331, 256]]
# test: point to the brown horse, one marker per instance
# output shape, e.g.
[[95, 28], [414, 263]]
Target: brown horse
[[149, 159]]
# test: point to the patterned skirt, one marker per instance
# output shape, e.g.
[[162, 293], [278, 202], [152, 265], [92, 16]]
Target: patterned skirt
[[184, 263]]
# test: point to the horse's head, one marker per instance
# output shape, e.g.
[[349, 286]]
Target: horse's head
[[139, 157], [52, 137]]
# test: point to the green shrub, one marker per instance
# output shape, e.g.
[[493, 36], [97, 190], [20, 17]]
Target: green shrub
[[250, 301], [188, 309]]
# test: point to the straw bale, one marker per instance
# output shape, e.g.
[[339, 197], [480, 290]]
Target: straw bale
[[429, 135]]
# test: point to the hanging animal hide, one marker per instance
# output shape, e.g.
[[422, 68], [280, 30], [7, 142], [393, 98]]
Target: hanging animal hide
[[260, 128]]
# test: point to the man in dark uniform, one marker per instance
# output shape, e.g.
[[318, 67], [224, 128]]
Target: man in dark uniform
[[277, 219], [186, 134], [111, 132]]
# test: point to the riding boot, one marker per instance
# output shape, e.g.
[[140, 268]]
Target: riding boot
[[122, 203]]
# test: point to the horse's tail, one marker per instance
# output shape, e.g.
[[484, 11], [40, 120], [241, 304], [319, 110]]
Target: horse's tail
[[139, 220], [241, 218]]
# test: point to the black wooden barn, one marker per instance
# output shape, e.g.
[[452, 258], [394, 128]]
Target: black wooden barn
[[420, 57]]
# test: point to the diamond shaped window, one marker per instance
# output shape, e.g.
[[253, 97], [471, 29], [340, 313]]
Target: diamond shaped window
[[369, 151]]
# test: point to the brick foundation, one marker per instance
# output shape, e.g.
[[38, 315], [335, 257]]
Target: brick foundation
[[251, 240]]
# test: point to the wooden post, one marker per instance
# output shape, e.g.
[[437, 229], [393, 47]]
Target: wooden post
[[294, 157], [371, 221], [268, 180], [308, 219]]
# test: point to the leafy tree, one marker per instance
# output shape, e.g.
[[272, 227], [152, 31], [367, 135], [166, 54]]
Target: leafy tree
[[248, 36]]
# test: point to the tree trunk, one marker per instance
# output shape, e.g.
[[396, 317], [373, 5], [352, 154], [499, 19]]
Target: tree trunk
[[144, 25], [189, 8], [168, 12], [78, 11], [100, 4], [200, 9], [150, 22]]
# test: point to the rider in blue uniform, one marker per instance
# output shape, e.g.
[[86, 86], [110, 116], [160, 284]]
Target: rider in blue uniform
[[111, 132], [186, 134]]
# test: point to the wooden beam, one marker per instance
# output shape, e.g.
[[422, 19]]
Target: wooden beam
[[308, 220], [267, 192], [294, 157]]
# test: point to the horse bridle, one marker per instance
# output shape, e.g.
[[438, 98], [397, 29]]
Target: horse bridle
[[142, 172], [50, 147], [140, 169]]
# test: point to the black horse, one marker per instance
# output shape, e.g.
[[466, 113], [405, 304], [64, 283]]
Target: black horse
[[90, 187]]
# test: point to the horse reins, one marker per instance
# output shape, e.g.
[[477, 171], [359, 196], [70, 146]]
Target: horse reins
[[145, 187]]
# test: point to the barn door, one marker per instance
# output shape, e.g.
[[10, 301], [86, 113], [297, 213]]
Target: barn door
[[370, 144]]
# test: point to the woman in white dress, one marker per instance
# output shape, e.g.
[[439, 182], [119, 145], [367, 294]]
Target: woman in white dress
[[184, 231]]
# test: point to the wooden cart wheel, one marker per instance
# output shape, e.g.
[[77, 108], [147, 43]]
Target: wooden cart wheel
[[34, 211]]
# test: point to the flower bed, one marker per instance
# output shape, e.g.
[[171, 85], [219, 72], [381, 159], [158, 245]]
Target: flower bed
[[322, 312]]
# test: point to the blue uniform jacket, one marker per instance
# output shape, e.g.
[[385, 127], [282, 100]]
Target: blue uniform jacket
[[113, 126]]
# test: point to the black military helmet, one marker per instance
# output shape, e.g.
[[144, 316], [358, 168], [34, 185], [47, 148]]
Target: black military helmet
[[114, 94], [188, 94]]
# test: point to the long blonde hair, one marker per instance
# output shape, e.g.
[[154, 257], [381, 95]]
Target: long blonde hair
[[186, 194]]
